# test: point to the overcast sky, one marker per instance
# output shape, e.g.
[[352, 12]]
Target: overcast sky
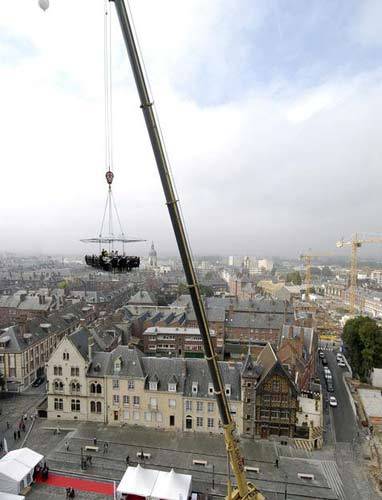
[[271, 112]]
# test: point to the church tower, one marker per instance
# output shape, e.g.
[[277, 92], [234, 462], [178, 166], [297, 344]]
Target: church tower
[[153, 261]]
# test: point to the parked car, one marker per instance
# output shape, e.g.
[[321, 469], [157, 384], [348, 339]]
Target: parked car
[[333, 401], [330, 386], [38, 381]]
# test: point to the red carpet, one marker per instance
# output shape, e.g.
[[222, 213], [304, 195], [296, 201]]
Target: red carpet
[[77, 484]]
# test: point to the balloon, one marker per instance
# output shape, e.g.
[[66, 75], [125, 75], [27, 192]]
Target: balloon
[[44, 4]]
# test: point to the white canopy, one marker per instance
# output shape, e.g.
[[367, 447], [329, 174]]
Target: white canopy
[[137, 481], [16, 469], [172, 486], [9, 496], [13, 476], [25, 456]]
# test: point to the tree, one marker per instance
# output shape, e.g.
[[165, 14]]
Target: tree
[[204, 290], [363, 339], [294, 277]]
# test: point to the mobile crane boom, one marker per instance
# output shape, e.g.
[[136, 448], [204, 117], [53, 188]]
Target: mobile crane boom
[[244, 489]]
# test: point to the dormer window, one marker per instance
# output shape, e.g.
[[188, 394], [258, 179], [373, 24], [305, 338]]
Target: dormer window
[[228, 390], [210, 389], [65, 356], [117, 365], [171, 387], [194, 388], [153, 386]]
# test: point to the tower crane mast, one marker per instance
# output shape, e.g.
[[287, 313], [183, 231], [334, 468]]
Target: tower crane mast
[[356, 242], [307, 258]]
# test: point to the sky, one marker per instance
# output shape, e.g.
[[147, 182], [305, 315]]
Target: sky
[[271, 112]]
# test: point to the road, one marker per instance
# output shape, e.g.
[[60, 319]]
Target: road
[[344, 425]]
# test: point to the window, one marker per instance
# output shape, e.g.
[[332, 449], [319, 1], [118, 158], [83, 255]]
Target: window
[[92, 406], [98, 407], [126, 400], [65, 356], [57, 370], [266, 399], [264, 414], [136, 400], [172, 420], [58, 385], [136, 415], [147, 416], [75, 387], [171, 387], [153, 403], [153, 386], [117, 365], [58, 404], [199, 421], [115, 383], [275, 414], [188, 405], [171, 403], [210, 407], [199, 406], [284, 398], [276, 385], [126, 414], [116, 399], [210, 389], [76, 405], [210, 423], [74, 371], [130, 384], [284, 414], [276, 398], [99, 389], [194, 388], [228, 390]]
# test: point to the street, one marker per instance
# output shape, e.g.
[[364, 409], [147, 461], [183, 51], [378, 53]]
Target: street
[[344, 426]]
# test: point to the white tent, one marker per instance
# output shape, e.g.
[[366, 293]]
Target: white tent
[[25, 456], [16, 469], [14, 476], [137, 481], [172, 486], [9, 496]]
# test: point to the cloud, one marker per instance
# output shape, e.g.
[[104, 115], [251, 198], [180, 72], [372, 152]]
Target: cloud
[[273, 152]]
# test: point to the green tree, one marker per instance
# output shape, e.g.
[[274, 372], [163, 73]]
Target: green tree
[[362, 337], [294, 277]]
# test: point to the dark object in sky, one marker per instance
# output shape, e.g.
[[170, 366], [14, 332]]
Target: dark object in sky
[[113, 263]]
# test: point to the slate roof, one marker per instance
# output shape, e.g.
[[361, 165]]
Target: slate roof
[[141, 297]]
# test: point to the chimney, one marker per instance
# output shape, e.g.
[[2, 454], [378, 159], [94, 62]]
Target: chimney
[[90, 348]]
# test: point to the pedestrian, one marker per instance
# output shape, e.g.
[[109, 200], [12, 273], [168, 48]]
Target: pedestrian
[[1, 445], [14, 435], [105, 447], [95, 441], [8, 425], [18, 434], [277, 463], [23, 427], [67, 445], [127, 460]]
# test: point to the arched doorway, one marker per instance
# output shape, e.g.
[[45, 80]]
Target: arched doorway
[[188, 422]]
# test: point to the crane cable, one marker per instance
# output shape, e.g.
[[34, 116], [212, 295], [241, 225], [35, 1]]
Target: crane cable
[[107, 89]]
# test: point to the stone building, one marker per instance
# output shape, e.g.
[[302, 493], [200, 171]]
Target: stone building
[[270, 398], [125, 387]]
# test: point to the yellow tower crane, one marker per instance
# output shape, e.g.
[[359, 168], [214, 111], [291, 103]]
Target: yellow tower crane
[[355, 243], [307, 258]]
